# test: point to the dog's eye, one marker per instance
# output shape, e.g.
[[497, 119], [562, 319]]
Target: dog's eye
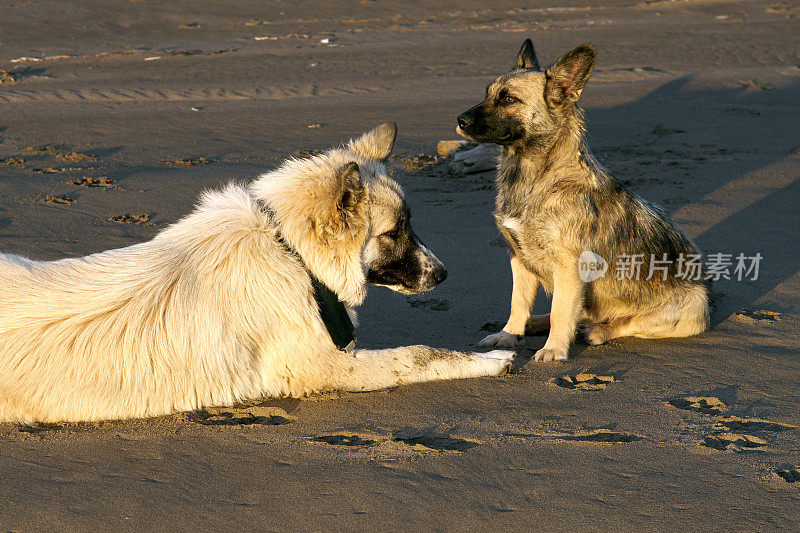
[[509, 99], [391, 234]]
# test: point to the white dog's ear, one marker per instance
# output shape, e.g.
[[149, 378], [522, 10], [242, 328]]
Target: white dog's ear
[[350, 190], [566, 78], [377, 143], [337, 209]]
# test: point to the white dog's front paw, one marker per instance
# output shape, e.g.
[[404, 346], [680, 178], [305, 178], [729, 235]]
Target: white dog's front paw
[[501, 339], [546, 355], [496, 362], [499, 354]]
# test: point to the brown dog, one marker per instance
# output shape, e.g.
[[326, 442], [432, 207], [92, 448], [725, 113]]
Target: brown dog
[[565, 218]]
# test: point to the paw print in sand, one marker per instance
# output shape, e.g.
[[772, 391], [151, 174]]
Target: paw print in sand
[[583, 381], [733, 441], [702, 404]]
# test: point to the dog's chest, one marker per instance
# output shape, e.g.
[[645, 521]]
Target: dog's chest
[[517, 214], [528, 243], [525, 217]]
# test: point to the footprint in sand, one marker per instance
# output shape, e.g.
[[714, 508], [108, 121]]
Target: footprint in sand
[[345, 440], [189, 162], [435, 441], [729, 440], [734, 423], [756, 316], [583, 381], [726, 428], [603, 436], [12, 162], [57, 151], [60, 199], [417, 440], [50, 149], [128, 218], [702, 404], [75, 157], [789, 474], [734, 441], [103, 182], [241, 416], [54, 170]]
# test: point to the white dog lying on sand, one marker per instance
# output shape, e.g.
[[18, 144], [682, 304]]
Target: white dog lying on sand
[[241, 299]]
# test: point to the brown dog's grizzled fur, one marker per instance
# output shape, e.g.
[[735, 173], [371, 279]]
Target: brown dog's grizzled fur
[[555, 201]]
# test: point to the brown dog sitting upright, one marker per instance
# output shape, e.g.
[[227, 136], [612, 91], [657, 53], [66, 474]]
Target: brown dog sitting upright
[[557, 206]]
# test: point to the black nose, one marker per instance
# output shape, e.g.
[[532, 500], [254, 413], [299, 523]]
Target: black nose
[[440, 275], [464, 121]]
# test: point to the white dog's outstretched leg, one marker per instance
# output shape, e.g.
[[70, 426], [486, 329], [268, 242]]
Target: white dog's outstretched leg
[[378, 369]]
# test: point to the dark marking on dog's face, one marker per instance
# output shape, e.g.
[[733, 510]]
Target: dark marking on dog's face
[[396, 258], [513, 111]]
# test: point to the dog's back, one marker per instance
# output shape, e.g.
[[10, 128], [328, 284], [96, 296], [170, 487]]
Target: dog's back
[[107, 335]]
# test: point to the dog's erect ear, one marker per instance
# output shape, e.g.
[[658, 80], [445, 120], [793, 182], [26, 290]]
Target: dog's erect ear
[[566, 78], [350, 190], [527, 56], [377, 143]]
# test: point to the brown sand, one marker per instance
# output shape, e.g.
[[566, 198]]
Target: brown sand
[[694, 104]]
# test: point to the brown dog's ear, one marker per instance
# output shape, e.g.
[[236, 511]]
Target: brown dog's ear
[[377, 143], [351, 191], [527, 56], [566, 78]]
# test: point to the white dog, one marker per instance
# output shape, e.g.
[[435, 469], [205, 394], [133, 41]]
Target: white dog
[[241, 299]]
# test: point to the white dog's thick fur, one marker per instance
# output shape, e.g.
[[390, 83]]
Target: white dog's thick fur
[[215, 309]]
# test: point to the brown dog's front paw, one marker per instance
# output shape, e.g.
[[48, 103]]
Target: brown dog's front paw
[[546, 355], [501, 339]]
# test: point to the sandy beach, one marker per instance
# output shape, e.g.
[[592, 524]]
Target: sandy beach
[[115, 116]]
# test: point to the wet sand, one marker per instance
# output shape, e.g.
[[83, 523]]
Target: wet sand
[[114, 116]]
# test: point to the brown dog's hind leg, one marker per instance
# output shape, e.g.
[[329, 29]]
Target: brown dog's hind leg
[[685, 315], [538, 324]]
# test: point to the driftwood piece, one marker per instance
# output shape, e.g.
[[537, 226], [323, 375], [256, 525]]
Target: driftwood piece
[[446, 148], [481, 158]]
